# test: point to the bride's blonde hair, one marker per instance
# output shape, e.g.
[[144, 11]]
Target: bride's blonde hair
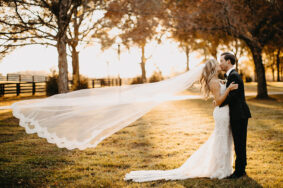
[[206, 76]]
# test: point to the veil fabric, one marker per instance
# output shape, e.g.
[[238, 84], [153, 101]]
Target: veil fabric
[[82, 119]]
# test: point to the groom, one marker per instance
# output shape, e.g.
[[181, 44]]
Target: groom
[[239, 113]]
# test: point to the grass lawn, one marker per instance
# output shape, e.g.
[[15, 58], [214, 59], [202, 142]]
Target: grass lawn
[[162, 139]]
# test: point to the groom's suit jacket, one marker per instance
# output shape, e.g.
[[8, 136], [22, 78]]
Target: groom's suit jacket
[[238, 107]]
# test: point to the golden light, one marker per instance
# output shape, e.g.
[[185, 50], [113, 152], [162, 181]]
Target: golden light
[[95, 63]]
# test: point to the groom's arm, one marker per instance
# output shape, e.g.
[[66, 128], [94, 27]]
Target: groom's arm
[[232, 94]]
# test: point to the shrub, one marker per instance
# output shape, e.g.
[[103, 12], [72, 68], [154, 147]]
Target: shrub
[[156, 77], [249, 79], [51, 84], [83, 84], [137, 80]]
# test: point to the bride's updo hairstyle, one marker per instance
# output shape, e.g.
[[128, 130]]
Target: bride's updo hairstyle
[[207, 74]]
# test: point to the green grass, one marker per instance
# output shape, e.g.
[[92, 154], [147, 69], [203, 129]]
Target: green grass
[[162, 139]]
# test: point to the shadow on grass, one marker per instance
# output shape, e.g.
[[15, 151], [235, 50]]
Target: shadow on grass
[[205, 182], [245, 181], [7, 121]]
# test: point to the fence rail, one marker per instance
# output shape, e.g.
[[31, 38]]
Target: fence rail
[[23, 78]]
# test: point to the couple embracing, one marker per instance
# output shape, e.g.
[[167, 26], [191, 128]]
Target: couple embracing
[[214, 159]]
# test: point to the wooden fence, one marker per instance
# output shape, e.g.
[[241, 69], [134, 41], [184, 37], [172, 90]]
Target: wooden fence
[[105, 82], [17, 84], [24, 87]]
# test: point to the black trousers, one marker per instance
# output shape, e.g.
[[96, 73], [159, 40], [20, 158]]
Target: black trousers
[[239, 132]]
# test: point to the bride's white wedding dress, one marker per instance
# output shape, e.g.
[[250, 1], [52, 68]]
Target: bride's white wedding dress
[[213, 159]]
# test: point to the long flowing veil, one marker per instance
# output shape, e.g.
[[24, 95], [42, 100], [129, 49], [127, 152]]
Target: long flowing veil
[[82, 119]]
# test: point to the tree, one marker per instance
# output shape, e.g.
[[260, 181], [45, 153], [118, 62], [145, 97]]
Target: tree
[[256, 22], [138, 19], [270, 59], [273, 60], [275, 47], [32, 22], [237, 46], [187, 42], [278, 63], [84, 28], [209, 42]]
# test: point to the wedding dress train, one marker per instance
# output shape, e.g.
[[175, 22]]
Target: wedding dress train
[[213, 159]]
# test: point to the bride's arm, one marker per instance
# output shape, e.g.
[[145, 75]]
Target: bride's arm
[[215, 90]]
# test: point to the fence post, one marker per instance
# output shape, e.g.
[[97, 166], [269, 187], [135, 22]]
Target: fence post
[[18, 89], [92, 83], [33, 88], [2, 90]]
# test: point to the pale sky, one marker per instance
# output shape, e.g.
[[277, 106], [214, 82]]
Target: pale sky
[[93, 62]]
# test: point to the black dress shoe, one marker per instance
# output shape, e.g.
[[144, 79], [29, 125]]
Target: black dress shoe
[[236, 175], [241, 174]]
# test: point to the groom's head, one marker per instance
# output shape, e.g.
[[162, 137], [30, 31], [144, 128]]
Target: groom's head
[[227, 61]]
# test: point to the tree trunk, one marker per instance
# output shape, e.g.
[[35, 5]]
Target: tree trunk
[[278, 64], [62, 65], [75, 53], [236, 54], [273, 77], [214, 53], [62, 22], [255, 76], [143, 65], [188, 57], [76, 69], [205, 54], [260, 71]]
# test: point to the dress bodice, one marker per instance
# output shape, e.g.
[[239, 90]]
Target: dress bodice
[[218, 112], [222, 88]]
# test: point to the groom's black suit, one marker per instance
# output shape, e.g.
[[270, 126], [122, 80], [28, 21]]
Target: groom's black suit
[[239, 114]]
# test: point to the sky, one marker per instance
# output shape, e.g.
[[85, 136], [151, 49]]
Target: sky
[[94, 63]]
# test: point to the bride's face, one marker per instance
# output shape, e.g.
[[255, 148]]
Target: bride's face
[[218, 68]]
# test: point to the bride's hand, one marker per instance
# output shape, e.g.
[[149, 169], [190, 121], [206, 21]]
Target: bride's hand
[[214, 103], [233, 86], [222, 81]]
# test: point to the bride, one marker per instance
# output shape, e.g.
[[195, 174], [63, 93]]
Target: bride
[[214, 158]]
